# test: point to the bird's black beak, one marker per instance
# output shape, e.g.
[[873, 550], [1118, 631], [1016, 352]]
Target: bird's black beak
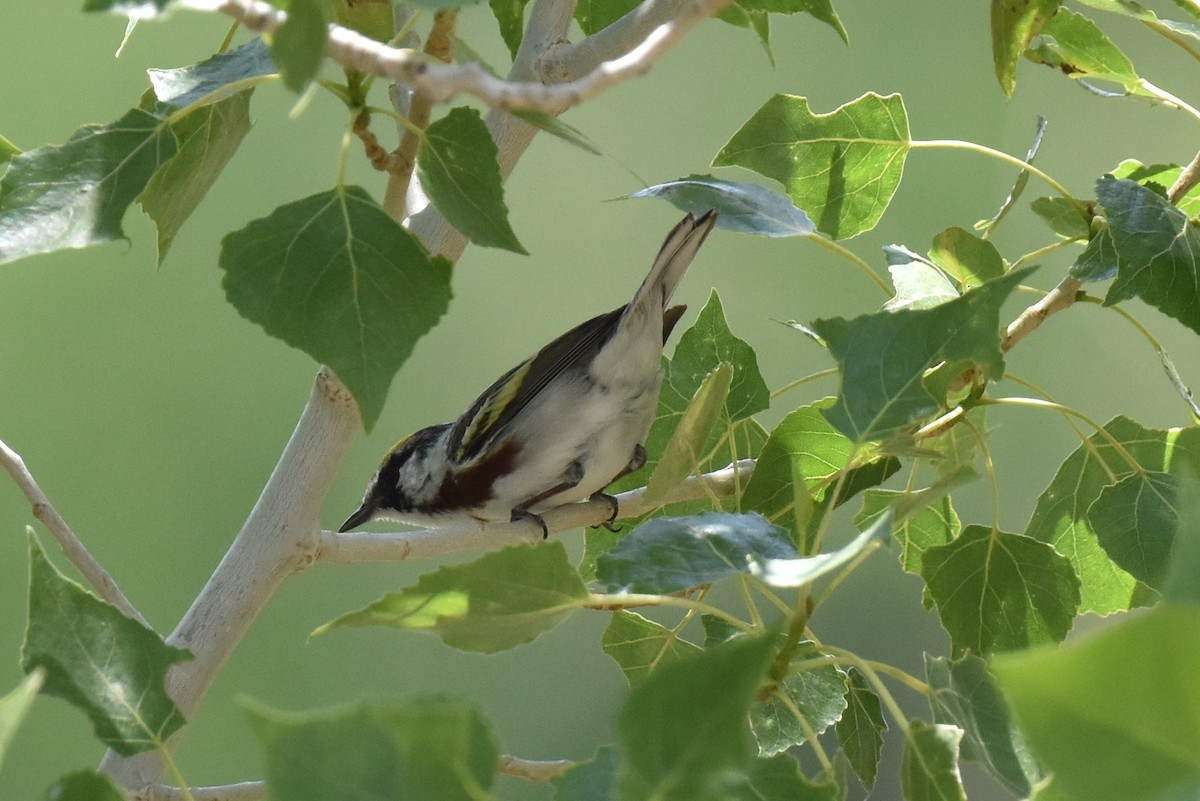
[[361, 515]]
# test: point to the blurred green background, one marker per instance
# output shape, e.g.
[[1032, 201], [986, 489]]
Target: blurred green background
[[152, 413]]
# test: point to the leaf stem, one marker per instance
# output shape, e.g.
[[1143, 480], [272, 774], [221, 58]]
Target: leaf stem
[[854, 259], [228, 40], [1038, 403], [989, 467], [231, 88], [1168, 98], [868, 670], [810, 736], [845, 572], [607, 601], [786, 388], [1034, 254], [1083, 438]]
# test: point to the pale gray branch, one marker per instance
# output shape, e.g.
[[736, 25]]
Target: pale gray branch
[[532, 769], [243, 791], [431, 542], [71, 546]]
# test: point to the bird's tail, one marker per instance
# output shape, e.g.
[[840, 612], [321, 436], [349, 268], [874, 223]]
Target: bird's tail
[[672, 261]]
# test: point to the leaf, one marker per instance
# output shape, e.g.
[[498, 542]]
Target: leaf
[[556, 127], [919, 283], [804, 444], [1062, 216], [510, 16], [884, 356], [1116, 715], [1061, 516], [436, 749], [929, 770], [84, 785], [685, 450], [15, 705], [842, 168], [997, 591], [746, 208], [669, 554], [596, 15], [1014, 24], [499, 601], [758, 21], [1180, 585], [639, 646], [860, 729], [965, 694], [1135, 522], [134, 9], [336, 277], [208, 139], [1159, 177], [1158, 250], [75, 194], [818, 693], [935, 524], [111, 667], [778, 778], [183, 86], [784, 572], [1072, 44], [458, 170], [1098, 261], [7, 150], [1019, 183], [971, 260], [299, 45], [703, 348], [589, 781], [675, 749], [372, 18]]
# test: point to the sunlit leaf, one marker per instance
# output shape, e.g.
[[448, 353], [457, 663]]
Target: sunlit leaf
[[929, 771], [685, 449], [1063, 216], [784, 572], [1072, 44], [842, 168], [336, 277], [971, 260], [501, 600], [15, 705], [919, 283], [639, 645], [1014, 24], [935, 524]]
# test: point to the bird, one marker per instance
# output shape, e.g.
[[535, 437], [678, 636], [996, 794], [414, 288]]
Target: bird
[[558, 428]]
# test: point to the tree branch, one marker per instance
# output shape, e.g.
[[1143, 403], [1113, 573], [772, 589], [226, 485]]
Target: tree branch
[[243, 791], [72, 547], [532, 769], [427, 543], [444, 82]]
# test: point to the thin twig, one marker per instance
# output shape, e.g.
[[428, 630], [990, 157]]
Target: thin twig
[[532, 769], [71, 546], [364, 546]]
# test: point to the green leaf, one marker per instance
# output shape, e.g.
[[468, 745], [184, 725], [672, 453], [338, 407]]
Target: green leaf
[[885, 355], [110, 666], [1158, 250], [499, 601], [556, 127], [1098, 261], [458, 170], [134, 9], [299, 45], [784, 572], [639, 645], [84, 785], [435, 749], [1180, 585], [15, 705], [758, 21], [7, 150], [669, 554], [1014, 24], [920, 284], [1116, 715], [971, 260], [935, 524], [1135, 522], [842, 168], [1159, 177], [818, 693], [1072, 44], [675, 749], [997, 591], [747, 208], [1061, 515], [595, 15], [336, 277], [703, 348], [589, 781], [965, 694], [1062, 216], [685, 449], [860, 729], [804, 444], [208, 139], [75, 194], [779, 779], [929, 770], [510, 16], [185, 85], [372, 18]]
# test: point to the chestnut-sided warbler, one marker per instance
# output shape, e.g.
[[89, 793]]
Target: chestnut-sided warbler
[[557, 428]]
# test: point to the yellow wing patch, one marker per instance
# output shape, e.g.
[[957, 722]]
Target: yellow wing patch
[[491, 411]]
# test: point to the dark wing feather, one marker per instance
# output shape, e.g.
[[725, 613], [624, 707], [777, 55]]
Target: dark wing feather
[[499, 404]]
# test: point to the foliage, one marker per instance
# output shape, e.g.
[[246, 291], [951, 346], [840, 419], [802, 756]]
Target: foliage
[[337, 276]]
